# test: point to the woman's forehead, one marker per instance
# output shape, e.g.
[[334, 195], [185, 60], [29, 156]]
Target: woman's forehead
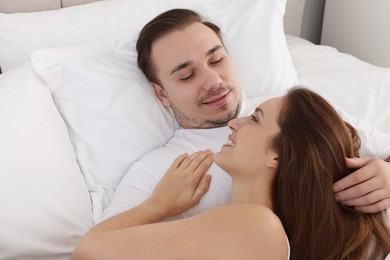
[[270, 104]]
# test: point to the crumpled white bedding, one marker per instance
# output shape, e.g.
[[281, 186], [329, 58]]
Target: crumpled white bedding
[[360, 88]]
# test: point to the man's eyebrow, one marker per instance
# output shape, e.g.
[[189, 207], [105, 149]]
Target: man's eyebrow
[[212, 50], [259, 109], [181, 66]]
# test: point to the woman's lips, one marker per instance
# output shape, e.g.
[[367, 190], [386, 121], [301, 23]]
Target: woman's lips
[[229, 143]]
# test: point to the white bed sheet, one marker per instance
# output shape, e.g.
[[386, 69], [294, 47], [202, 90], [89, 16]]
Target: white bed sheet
[[359, 88]]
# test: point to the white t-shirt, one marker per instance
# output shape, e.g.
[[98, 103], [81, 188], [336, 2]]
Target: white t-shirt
[[143, 176], [141, 179]]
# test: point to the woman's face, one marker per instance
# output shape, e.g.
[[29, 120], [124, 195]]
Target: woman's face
[[248, 150]]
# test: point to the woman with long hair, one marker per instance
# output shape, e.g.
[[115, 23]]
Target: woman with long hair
[[312, 145], [283, 160], [305, 154]]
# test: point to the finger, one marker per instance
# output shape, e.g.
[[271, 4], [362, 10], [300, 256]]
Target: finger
[[358, 190], [187, 161], [353, 179], [366, 200], [354, 163], [178, 161], [199, 160], [203, 162], [202, 188], [375, 208], [204, 166]]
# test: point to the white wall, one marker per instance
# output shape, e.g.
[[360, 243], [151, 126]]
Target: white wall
[[312, 20], [304, 18], [293, 17], [360, 28]]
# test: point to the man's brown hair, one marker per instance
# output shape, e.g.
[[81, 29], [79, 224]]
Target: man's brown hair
[[161, 25]]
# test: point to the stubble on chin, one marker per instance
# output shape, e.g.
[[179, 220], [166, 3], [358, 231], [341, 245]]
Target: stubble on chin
[[225, 120]]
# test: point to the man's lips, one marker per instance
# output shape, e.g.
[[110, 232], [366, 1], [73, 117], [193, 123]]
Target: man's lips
[[219, 100]]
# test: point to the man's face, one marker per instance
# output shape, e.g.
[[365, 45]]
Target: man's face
[[197, 77]]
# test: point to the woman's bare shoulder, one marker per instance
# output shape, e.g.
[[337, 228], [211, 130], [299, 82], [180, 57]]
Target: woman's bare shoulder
[[252, 231], [253, 214]]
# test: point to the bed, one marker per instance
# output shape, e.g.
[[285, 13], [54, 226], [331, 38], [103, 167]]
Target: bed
[[76, 112]]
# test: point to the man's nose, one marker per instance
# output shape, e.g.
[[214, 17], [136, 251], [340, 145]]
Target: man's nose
[[212, 80]]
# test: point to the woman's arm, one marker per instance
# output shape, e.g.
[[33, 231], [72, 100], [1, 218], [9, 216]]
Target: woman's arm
[[181, 188], [240, 231], [231, 232]]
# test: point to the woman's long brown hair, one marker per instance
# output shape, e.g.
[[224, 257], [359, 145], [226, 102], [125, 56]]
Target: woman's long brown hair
[[311, 147]]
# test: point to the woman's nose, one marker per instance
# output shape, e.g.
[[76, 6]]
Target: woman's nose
[[234, 124], [237, 123]]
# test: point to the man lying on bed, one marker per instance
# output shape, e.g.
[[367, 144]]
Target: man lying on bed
[[186, 62]]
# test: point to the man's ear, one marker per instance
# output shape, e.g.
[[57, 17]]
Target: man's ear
[[161, 94]]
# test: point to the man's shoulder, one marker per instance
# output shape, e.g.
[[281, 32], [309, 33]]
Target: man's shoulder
[[191, 140], [158, 157]]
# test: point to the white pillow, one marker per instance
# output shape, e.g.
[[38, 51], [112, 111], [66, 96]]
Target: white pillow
[[20, 33], [253, 33], [111, 111], [45, 207]]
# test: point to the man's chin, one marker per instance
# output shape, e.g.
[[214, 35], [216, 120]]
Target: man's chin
[[223, 121]]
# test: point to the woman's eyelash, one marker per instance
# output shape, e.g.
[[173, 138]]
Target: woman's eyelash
[[254, 118]]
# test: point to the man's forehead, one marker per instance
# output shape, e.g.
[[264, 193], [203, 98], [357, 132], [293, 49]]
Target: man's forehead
[[193, 33], [181, 46]]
